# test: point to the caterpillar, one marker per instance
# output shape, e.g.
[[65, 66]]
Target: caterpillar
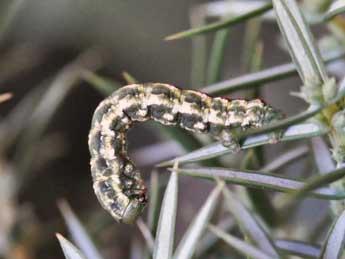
[[116, 181]]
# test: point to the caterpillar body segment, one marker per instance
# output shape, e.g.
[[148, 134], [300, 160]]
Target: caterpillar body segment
[[116, 182]]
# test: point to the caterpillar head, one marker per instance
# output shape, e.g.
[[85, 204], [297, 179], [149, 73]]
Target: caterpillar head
[[132, 211], [123, 208]]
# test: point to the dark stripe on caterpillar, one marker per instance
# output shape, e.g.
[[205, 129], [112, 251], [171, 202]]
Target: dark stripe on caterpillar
[[116, 182]]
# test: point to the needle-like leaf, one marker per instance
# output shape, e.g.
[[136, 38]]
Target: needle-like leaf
[[266, 181], [286, 246], [69, 250], [217, 56], [166, 225], [256, 79], [334, 244], [192, 236], [322, 156], [298, 248], [285, 158], [239, 245], [209, 240], [250, 227], [222, 24], [78, 232], [300, 42], [145, 231], [300, 131], [100, 83], [316, 183], [153, 202], [129, 78]]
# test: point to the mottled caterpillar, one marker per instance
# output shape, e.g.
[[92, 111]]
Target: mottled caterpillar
[[116, 182]]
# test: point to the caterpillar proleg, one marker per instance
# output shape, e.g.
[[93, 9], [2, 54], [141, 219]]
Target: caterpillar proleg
[[116, 181]]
